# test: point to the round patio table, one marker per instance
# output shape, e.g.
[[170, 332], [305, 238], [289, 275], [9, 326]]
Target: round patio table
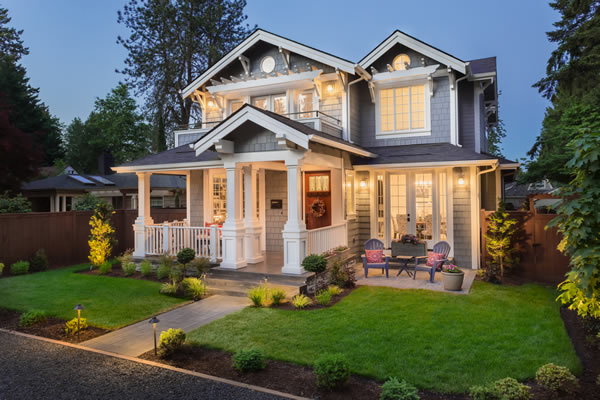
[[403, 261]]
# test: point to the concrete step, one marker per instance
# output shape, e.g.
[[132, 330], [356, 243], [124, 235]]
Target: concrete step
[[279, 279], [240, 288]]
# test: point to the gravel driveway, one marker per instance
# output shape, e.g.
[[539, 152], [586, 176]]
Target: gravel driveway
[[33, 369]]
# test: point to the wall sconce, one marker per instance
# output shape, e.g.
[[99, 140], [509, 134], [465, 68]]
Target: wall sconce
[[363, 184], [461, 177], [211, 103], [330, 88]]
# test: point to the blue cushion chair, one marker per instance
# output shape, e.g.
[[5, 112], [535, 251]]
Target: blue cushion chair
[[441, 248], [375, 244]]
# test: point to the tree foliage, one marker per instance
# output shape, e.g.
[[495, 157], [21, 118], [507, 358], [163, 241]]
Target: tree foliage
[[171, 42], [10, 39], [499, 238], [495, 135], [101, 234], [578, 221], [87, 202], [14, 204]]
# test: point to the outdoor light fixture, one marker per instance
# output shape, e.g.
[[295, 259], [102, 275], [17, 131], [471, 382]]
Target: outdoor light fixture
[[461, 181], [329, 88], [154, 321], [78, 308], [210, 103], [363, 184]]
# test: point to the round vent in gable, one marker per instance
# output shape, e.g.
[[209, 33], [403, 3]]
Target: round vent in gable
[[401, 62], [267, 65]]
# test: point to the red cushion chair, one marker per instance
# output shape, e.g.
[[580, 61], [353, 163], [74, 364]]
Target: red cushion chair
[[374, 252]]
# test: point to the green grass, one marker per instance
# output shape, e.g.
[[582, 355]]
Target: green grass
[[109, 302], [437, 341]]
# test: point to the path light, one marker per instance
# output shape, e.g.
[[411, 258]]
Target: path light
[[154, 321], [78, 308]]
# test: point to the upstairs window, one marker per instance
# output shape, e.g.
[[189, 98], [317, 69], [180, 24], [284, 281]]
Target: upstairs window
[[401, 62], [403, 109], [276, 103]]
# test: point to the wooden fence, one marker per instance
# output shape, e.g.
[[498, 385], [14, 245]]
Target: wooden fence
[[539, 259], [64, 235]]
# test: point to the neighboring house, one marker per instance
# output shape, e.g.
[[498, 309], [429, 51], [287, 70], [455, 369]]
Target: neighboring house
[[300, 151], [515, 194], [61, 192]]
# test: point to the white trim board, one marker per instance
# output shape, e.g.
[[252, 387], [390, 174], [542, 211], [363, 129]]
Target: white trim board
[[426, 164]]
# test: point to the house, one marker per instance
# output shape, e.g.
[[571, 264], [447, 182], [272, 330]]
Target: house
[[517, 194], [299, 151], [61, 192]]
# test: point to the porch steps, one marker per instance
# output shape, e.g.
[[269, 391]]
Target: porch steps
[[237, 283]]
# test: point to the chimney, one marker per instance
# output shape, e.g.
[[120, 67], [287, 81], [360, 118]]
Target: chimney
[[105, 162]]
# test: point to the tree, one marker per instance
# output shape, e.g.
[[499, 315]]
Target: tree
[[87, 202], [10, 39], [578, 221], [171, 43], [499, 238], [17, 204], [102, 233], [572, 81], [495, 135]]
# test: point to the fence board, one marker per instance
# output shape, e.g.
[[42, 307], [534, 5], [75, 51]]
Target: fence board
[[64, 235]]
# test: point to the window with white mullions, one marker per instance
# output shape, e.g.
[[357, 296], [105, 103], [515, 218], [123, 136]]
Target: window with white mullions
[[402, 109]]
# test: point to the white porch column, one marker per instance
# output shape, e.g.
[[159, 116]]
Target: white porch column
[[64, 203], [233, 228], [144, 217], [294, 230], [252, 226]]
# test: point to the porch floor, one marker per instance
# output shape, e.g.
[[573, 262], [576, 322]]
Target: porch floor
[[376, 278], [272, 265]]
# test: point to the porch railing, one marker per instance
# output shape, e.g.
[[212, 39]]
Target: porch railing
[[169, 238], [327, 238]]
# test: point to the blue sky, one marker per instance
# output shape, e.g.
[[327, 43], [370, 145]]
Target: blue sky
[[74, 52]]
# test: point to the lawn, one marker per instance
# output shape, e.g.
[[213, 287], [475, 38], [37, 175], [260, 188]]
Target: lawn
[[437, 341], [109, 302]]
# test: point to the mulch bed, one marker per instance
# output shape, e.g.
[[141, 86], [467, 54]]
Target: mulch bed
[[287, 305], [53, 328], [117, 272]]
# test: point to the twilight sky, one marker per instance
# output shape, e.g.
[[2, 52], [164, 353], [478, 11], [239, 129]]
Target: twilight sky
[[73, 50]]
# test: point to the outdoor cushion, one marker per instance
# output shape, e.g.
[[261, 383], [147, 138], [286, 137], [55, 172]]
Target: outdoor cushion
[[374, 256], [433, 257]]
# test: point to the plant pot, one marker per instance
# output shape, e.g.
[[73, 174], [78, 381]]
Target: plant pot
[[453, 280]]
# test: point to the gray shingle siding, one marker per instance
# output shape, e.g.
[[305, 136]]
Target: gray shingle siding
[[482, 130], [355, 95], [388, 58], [187, 138], [253, 138], [275, 189], [462, 220], [466, 123]]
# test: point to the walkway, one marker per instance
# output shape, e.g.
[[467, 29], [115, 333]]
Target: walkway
[[376, 278], [137, 339]]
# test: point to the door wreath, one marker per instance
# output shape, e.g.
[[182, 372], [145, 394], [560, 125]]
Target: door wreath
[[317, 208]]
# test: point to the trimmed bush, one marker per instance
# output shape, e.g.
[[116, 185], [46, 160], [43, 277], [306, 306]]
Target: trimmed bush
[[32, 317], [277, 296], [71, 326], [301, 301], [332, 371], [315, 263], [511, 389], [480, 392], [19, 268], [185, 256], [324, 297], [393, 389], [1, 268], [170, 342], [259, 295], [168, 288], [556, 379], [39, 261], [105, 268], [146, 268], [193, 288], [249, 360], [176, 274], [342, 275], [128, 268], [334, 290], [200, 265], [163, 271]]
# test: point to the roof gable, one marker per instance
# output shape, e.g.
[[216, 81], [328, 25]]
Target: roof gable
[[417, 45]]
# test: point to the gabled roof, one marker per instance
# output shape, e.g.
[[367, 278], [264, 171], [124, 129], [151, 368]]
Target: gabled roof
[[483, 66], [276, 40], [398, 37], [119, 182]]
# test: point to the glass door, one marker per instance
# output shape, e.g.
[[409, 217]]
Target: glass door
[[399, 209], [423, 221]]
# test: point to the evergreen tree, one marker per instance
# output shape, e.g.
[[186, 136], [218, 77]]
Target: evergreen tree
[[499, 239], [10, 39]]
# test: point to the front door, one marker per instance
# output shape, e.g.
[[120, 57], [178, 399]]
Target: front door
[[317, 199]]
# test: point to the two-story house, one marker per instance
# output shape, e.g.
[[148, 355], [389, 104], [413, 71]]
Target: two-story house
[[299, 151]]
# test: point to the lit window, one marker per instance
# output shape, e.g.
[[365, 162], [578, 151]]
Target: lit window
[[443, 207], [349, 194], [318, 183], [401, 62], [219, 199], [304, 104], [236, 105], [276, 103], [279, 104], [380, 209], [402, 109], [261, 102]]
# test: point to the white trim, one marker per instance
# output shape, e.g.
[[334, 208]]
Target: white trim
[[418, 46], [510, 166], [275, 40], [426, 131], [266, 84], [425, 164], [405, 75], [450, 216], [475, 210], [341, 146], [169, 167], [453, 109]]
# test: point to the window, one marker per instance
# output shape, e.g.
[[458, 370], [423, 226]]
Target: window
[[443, 193], [424, 206], [402, 109], [380, 209], [401, 62], [156, 202], [350, 209], [219, 199], [261, 102], [267, 64], [304, 104], [235, 105], [276, 103], [318, 183], [398, 205]]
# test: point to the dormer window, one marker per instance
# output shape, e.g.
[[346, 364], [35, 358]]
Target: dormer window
[[402, 110], [401, 62], [267, 65]]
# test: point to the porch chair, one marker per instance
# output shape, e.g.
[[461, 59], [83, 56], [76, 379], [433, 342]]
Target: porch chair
[[440, 248], [375, 244]]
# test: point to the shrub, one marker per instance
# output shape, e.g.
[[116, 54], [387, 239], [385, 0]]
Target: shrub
[[301, 301], [315, 263], [324, 297], [393, 389], [167, 260], [128, 268], [126, 257], [556, 379], [341, 248], [1, 268], [71, 326], [201, 265], [105, 268], [488, 392], [18, 204], [39, 261], [277, 296], [32, 317], [511, 389], [194, 288], [259, 295], [334, 290], [101, 234], [170, 342], [332, 371], [186, 255], [249, 360], [19, 268], [342, 275], [168, 288], [146, 268], [163, 271]]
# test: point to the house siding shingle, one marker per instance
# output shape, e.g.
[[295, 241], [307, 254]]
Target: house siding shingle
[[196, 198], [466, 113], [275, 189], [462, 219]]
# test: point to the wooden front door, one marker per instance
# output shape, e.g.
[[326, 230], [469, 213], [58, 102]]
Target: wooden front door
[[317, 199]]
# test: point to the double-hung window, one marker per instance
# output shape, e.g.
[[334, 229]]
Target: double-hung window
[[403, 110]]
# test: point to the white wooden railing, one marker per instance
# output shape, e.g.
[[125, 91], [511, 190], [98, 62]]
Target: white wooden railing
[[327, 238], [171, 238]]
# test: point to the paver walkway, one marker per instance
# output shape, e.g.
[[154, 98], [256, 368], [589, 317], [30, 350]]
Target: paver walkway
[[136, 339], [376, 278]]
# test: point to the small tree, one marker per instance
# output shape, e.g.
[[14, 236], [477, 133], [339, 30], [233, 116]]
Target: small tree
[[498, 240], [17, 204], [87, 202], [101, 235]]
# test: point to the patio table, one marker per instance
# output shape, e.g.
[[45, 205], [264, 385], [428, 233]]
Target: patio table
[[403, 261]]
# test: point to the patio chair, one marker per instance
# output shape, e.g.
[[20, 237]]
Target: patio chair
[[375, 244], [441, 248]]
